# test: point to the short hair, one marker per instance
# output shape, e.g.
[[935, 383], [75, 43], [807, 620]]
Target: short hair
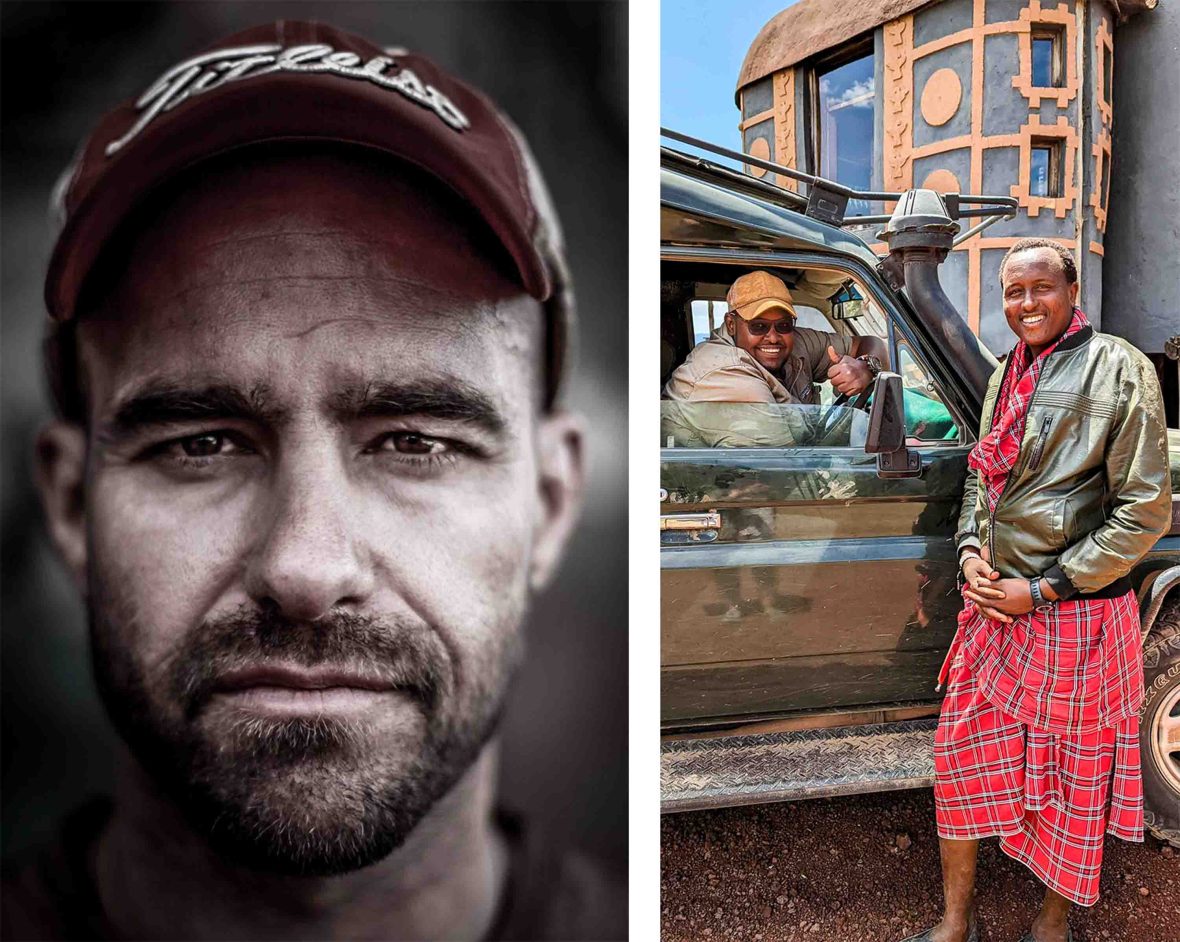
[[1064, 255]]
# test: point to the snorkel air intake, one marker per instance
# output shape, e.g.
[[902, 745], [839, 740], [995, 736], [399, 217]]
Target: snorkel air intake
[[919, 234]]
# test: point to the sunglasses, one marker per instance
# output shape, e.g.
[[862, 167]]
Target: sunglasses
[[760, 328]]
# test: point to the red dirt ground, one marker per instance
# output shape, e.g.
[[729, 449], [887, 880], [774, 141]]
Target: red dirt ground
[[865, 869]]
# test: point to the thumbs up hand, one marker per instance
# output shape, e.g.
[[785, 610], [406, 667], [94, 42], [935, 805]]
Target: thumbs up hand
[[847, 374]]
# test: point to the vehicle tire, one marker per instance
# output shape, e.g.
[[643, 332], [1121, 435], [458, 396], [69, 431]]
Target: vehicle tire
[[1159, 731]]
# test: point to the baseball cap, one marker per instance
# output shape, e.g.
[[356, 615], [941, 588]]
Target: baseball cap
[[758, 292], [306, 81]]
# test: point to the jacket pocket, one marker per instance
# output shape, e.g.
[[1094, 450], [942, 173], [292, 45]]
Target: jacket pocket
[[1038, 451], [1061, 512]]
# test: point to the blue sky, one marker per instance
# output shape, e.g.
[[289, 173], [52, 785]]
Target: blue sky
[[702, 46]]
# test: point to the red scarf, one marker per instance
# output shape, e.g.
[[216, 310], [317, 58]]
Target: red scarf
[[994, 456]]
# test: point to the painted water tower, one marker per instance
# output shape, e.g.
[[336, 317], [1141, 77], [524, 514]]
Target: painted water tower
[[996, 97]]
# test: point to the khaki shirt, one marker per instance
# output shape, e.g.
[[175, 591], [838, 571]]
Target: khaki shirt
[[718, 370]]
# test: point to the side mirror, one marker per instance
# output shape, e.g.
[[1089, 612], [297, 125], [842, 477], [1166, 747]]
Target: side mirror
[[886, 435]]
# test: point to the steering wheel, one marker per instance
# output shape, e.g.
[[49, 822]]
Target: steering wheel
[[831, 419]]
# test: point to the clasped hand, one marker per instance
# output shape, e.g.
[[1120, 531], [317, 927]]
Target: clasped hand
[[996, 598]]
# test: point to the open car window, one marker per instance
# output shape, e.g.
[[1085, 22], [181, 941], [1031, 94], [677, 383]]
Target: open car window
[[927, 419], [713, 396]]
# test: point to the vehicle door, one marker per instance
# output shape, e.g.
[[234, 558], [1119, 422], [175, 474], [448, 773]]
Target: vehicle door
[[793, 577]]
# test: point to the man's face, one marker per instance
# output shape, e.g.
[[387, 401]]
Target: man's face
[[1038, 301], [770, 349], [311, 504]]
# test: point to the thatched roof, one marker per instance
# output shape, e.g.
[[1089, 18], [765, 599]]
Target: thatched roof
[[812, 26]]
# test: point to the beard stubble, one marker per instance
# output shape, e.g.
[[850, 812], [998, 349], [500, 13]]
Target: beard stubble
[[302, 795]]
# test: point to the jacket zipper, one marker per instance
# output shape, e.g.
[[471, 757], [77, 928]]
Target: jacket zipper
[[991, 514], [1034, 461], [1039, 450]]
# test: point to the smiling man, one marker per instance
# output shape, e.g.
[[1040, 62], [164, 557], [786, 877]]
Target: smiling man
[[1068, 487], [309, 310], [732, 388], [759, 354]]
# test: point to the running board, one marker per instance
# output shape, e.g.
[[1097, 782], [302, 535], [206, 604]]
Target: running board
[[719, 772]]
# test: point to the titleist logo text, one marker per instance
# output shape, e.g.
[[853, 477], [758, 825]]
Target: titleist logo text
[[211, 69]]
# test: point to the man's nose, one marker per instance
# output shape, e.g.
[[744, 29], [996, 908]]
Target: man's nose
[[310, 558], [1029, 303]]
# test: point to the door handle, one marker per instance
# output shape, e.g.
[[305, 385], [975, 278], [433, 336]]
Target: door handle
[[709, 520]]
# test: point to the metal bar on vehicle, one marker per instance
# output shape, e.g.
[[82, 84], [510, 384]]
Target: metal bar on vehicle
[[736, 155], [827, 199], [744, 770], [985, 211], [770, 165], [999, 200], [974, 230], [775, 194]]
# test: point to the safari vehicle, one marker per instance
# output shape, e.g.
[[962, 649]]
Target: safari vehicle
[[807, 552]]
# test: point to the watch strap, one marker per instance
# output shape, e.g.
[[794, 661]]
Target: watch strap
[[871, 362], [1040, 603]]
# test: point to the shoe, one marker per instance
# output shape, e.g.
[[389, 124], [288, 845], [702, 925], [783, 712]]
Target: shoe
[[928, 935]]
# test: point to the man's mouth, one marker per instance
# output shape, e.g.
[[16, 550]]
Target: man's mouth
[[770, 350], [1032, 320], [290, 690]]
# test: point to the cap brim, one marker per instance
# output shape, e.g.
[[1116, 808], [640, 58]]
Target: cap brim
[[294, 107]]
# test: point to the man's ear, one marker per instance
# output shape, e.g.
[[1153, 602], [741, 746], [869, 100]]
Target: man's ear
[[61, 479], [1073, 293], [730, 325], [561, 477]]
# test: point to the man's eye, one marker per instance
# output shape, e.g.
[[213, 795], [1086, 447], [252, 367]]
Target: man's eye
[[202, 446], [413, 443]]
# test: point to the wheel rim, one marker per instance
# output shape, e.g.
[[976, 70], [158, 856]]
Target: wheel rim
[[1165, 740]]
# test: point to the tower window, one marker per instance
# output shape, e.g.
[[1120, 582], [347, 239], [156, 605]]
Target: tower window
[[1045, 175], [1048, 57]]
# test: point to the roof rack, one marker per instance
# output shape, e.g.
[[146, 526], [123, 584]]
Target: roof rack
[[827, 200]]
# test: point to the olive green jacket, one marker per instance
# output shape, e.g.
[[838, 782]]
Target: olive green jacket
[[1090, 492]]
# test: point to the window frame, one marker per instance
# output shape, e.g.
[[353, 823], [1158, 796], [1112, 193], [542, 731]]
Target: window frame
[[813, 70], [896, 325], [1055, 33], [1055, 184]]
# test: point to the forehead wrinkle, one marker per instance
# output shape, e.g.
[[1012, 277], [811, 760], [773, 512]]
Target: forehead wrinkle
[[449, 298], [238, 238]]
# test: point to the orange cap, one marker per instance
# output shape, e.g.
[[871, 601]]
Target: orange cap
[[757, 292]]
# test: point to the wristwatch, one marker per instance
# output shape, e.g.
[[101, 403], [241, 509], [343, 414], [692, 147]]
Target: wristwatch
[[872, 362], [1040, 603]]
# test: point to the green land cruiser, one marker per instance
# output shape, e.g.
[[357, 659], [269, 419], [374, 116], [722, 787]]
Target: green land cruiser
[[807, 555]]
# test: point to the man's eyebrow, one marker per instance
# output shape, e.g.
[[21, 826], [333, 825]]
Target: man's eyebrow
[[450, 399], [165, 404]]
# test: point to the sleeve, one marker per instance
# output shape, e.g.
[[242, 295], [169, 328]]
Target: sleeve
[[1139, 486], [967, 533], [813, 346]]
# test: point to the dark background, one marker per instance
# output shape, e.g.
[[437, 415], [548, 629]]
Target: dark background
[[560, 71]]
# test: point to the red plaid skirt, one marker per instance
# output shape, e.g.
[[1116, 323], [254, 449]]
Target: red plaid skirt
[[1049, 797]]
